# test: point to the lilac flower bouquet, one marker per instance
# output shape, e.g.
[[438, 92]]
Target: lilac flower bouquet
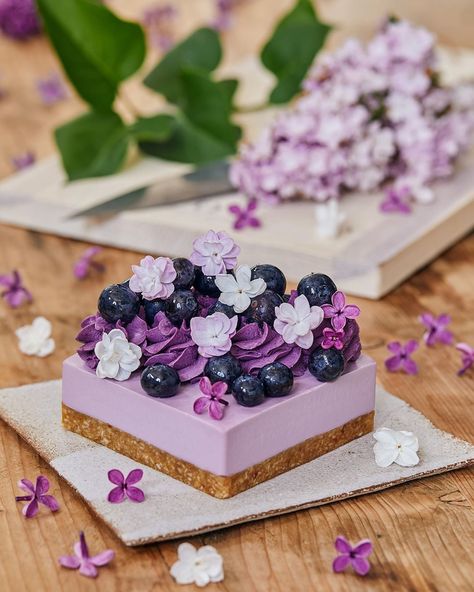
[[373, 116]]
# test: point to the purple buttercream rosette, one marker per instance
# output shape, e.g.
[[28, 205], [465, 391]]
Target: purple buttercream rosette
[[167, 344], [92, 329]]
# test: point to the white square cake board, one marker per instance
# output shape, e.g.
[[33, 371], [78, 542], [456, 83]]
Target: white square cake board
[[372, 255], [172, 510]]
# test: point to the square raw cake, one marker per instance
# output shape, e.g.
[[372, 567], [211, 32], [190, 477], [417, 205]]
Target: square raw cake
[[211, 373]]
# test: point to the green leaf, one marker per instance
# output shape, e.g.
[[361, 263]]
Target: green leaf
[[291, 50], [207, 104], [157, 128], [229, 87], [92, 145], [201, 50], [189, 144], [97, 49]]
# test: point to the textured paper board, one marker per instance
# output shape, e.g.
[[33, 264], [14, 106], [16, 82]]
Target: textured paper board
[[173, 510]]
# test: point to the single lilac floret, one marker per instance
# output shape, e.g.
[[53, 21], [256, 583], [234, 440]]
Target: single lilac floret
[[338, 311], [213, 334], [467, 353], [37, 494], [211, 399], [15, 293], [214, 252], [153, 278], [436, 329], [352, 555], [401, 359], [83, 561], [125, 487]]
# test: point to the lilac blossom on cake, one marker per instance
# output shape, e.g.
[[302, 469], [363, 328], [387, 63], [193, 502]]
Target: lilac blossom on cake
[[371, 115], [213, 334], [153, 278], [215, 252]]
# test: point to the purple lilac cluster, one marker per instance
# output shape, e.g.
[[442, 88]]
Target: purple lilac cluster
[[371, 116], [19, 19], [208, 317]]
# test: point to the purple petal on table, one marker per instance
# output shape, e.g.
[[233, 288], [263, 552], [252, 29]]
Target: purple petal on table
[[363, 548], [70, 561], [103, 558], [134, 476], [88, 569], [410, 366], [50, 502], [115, 476], [342, 544], [392, 364], [361, 565], [116, 495], [26, 485], [135, 494], [42, 485], [31, 509], [411, 346], [341, 563]]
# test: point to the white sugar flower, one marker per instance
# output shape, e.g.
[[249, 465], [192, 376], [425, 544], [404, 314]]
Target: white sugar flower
[[395, 447], [117, 357], [295, 323], [199, 567], [153, 277], [35, 339], [238, 290]]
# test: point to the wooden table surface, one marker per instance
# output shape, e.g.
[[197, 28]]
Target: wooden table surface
[[423, 532]]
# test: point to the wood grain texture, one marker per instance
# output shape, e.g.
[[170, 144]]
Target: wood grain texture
[[423, 532]]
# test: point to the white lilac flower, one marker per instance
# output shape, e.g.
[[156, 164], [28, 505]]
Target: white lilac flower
[[35, 339], [197, 566], [213, 334], [238, 290], [153, 278], [214, 252], [295, 322], [395, 447], [117, 357]]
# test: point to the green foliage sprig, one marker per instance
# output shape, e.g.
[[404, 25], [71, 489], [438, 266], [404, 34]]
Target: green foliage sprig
[[98, 51]]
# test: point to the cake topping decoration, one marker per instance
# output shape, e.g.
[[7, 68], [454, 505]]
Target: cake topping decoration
[[117, 357], [238, 290], [295, 323], [82, 561], [35, 339], [37, 494], [211, 398], [153, 278], [338, 311], [15, 293], [332, 338], [436, 329], [199, 567], [215, 252], [213, 334], [467, 357], [395, 447], [401, 358], [125, 486], [352, 555]]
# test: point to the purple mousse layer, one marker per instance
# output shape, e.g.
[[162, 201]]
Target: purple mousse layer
[[245, 437]]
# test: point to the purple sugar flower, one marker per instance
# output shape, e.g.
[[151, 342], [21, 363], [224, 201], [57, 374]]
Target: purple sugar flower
[[125, 486], [339, 311], [467, 357], [51, 89], [245, 216], [81, 559], [436, 329], [19, 19], [332, 338], [396, 201], [15, 293], [211, 399], [85, 263], [355, 556], [401, 358], [36, 495], [23, 161]]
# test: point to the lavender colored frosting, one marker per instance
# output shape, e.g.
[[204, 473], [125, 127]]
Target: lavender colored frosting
[[167, 344]]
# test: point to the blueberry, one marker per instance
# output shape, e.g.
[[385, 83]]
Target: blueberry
[[152, 307], [181, 306], [326, 364], [225, 368], [277, 379], [224, 308], [205, 284], [160, 380], [118, 303], [248, 390], [318, 288], [274, 277], [184, 273], [262, 308]]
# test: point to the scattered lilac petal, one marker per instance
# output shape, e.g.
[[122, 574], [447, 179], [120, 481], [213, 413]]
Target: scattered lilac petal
[[36, 495], [244, 217], [352, 555], [125, 488], [83, 561], [401, 358], [23, 161], [19, 19], [436, 329], [51, 89], [467, 353], [86, 263]]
